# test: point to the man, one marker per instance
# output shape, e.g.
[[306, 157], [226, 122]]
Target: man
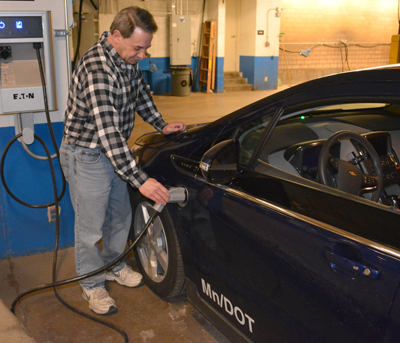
[[107, 88]]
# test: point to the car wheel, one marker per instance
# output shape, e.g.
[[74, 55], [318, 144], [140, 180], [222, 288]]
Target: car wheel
[[157, 254]]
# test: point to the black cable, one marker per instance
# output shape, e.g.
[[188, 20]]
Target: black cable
[[87, 275], [37, 47], [94, 5], [95, 319], [78, 44], [5, 183], [370, 46], [298, 52], [337, 47], [347, 56], [293, 52], [341, 55]]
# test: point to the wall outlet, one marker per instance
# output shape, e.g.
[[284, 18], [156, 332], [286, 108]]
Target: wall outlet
[[266, 79], [51, 213]]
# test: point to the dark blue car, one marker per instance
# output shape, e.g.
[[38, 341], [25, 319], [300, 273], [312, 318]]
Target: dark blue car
[[291, 229]]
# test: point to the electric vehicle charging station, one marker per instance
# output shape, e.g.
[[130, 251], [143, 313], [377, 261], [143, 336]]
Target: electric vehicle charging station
[[21, 88], [20, 85], [47, 25], [31, 31]]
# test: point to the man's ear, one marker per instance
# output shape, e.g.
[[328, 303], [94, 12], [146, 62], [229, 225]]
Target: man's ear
[[117, 37]]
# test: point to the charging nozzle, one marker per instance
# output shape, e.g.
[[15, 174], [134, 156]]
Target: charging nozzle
[[177, 195]]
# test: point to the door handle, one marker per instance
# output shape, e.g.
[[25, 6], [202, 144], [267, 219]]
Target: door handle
[[348, 264]]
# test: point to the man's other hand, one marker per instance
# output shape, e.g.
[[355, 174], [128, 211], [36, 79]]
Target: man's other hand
[[173, 127], [155, 191]]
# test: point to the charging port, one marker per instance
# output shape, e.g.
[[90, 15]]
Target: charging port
[[5, 52], [51, 213]]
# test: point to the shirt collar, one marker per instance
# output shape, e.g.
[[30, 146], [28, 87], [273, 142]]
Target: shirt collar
[[116, 58]]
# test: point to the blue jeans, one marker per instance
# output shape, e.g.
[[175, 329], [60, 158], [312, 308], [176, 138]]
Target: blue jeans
[[102, 210]]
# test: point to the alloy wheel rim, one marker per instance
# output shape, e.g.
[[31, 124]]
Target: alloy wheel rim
[[152, 248]]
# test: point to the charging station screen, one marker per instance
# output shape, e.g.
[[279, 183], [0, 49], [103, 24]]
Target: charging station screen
[[21, 27]]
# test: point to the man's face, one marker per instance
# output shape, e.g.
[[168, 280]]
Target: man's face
[[134, 48]]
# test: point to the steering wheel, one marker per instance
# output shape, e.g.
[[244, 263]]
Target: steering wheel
[[346, 176]]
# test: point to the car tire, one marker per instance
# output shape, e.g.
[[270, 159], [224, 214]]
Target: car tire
[[158, 256]]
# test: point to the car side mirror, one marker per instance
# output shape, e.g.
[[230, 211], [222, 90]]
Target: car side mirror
[[220, 163]]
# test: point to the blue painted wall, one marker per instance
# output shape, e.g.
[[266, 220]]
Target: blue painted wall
[[255, 69], [219, 75], [25, 230], [160, 79]]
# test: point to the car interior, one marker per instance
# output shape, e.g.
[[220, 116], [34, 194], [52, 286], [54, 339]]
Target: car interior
[[295, 145]]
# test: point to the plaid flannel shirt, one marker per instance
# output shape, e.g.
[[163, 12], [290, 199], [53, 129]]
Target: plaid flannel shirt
[[104, 95]]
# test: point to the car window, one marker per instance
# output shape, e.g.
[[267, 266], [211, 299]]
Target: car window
[[249, 136], [201, 150], [295, 143]]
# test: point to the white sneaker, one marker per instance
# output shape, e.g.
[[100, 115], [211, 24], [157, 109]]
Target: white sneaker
[[99, 301], [126, 277]]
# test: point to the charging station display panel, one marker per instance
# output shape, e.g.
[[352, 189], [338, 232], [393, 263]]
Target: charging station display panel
[[21, 27], [24, 36]]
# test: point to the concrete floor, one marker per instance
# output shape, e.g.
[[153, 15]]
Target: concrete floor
[[141, 314]]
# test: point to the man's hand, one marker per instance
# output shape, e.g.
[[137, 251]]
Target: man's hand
[[155, 191], [173, 127]]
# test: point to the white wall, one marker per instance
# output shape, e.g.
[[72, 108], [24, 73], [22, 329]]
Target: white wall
[[259, 15], [266, 20], [161, 11], [215, 10], [247, 27]]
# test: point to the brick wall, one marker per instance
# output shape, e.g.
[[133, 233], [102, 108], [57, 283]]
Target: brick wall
[[342, 35]]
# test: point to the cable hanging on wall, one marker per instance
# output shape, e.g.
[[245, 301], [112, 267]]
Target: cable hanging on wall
[[340, 45], [306, 52]]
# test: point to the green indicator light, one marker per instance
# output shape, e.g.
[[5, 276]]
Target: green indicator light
[[302, 117]]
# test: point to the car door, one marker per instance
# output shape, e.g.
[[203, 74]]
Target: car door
[[278, 276], [282, 261]]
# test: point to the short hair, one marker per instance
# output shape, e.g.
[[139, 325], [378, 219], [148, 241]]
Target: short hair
[[131, 17]]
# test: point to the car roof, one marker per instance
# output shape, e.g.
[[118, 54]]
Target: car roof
[[379, 84], [360, 85]]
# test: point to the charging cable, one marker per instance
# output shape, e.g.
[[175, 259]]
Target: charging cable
[[177, 195], [158, 209]]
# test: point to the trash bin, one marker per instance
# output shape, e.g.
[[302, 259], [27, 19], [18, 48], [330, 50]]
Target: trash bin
[[182, 80]]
